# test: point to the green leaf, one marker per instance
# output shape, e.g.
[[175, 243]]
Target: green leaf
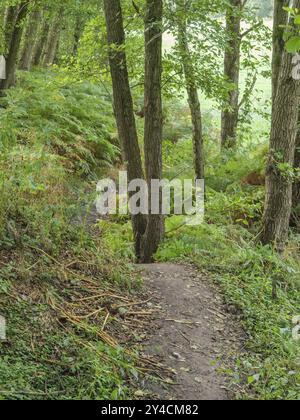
[[251, 380], [293, 44]]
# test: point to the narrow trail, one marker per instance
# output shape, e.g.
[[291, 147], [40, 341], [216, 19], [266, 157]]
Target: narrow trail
[[193, 333]]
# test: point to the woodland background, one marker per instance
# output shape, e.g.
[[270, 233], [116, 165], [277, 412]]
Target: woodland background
[[60, 272]]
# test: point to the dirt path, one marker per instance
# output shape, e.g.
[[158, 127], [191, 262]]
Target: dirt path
[[193, 333]]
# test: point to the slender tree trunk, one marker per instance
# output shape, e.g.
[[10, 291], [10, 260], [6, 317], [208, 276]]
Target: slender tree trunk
[[52, 41], [11, 14], [2, 23], [12, 58], [195, 108], [123, 105], [279, 184], [40, 44], [192, 92], [77, 35], [232, 73], [153, 119], [280, 20], [29, 38]]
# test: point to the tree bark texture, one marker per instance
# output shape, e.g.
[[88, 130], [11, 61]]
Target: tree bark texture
[[29, 39], [192, 92], [280, 19], [153, 119], [230, 115], [123, 106], [52, 41], [279, 182], [12, 58]]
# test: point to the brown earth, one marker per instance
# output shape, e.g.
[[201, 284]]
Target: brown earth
[[193, 334]]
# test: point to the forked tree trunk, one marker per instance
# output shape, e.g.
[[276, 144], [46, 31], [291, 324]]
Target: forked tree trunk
[[12, 58], [279, 184], [153, 120], [192, 91], [123, 106], [230, 115], [29, 39], [280, 20]]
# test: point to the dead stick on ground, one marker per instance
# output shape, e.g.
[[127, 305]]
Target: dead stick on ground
[[91, 314], [131, 304], [105, 321], [178, 321]]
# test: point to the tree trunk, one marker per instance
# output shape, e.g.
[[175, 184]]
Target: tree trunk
[[280, 20], [123, 106], [153, 119], [77, 35], [192, 92], [11, 62], [279, 183], [296, 188], [40, 44], [52, 41], [29, 38], [11, 14], [232, 73]]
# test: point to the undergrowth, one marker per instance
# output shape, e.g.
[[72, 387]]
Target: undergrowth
[[225, 247], [73, 120], [246, 272], [54, 140]]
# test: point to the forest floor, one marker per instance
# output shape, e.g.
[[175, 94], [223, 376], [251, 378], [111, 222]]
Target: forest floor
[[194, 334]]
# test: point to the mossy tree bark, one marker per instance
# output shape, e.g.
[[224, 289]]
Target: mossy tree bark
[[279, 183], [11, 14], [40, 44], [29, 39], [52, 42], [296, 188], [79, 27], [15, 42], [280, 20], [192, 89], [229, 119]]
